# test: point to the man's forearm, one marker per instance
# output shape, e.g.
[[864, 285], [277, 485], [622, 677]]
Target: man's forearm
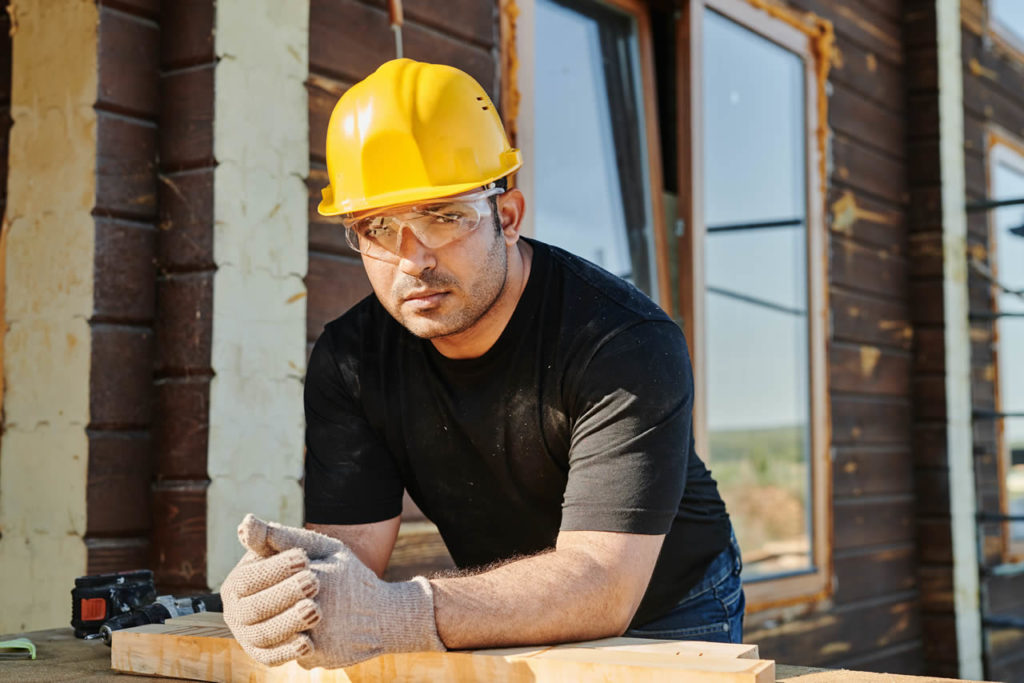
[[565, 595]]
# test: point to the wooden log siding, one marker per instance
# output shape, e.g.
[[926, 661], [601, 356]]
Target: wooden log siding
[[931, 471], [184, 286], [348, 40], [993, 100], [872, 621], [119, 470]]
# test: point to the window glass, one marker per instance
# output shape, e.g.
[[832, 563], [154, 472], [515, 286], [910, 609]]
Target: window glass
[[756, 328], [1008, 225], [591, 190], [1009, 14]]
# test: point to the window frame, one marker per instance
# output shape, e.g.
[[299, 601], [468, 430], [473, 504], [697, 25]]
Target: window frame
[[518, 57], [1007, 38], [1003, 149], [814, 585]]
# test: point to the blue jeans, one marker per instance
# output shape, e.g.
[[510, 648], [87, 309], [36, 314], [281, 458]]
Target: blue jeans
[[711, 611]]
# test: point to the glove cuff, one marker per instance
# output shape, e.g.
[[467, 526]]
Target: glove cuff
[[411, 627]]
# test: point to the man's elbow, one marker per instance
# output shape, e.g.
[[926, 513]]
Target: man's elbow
[[621, 606]]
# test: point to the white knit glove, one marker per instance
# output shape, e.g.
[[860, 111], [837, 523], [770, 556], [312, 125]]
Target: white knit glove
[[355, 615]]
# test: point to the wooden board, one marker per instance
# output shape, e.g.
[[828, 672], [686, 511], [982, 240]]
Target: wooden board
[[200, 647]]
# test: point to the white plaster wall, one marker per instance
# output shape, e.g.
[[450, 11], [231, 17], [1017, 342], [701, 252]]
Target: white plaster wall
[[261, 143], [49, 297]]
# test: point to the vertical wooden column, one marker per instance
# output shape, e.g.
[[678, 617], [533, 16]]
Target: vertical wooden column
[[261, 138], [47, 353], [184, 292], [125, 212], [942, 429]]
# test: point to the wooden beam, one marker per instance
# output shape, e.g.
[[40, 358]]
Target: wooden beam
[[200, 647]]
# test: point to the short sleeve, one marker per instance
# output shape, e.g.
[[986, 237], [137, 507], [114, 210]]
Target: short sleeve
[[350, 476], [632, 417]]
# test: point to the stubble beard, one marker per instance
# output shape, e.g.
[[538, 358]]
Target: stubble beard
[[482, 295]]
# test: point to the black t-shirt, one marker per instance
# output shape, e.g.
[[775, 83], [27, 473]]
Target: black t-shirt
[[578, 418]]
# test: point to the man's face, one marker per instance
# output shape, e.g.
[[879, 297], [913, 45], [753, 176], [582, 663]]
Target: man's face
[[443, 291]]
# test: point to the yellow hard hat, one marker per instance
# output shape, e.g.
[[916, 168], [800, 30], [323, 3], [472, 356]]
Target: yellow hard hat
[[411, 131]]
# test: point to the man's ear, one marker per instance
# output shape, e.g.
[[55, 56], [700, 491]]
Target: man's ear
[[511, 209]]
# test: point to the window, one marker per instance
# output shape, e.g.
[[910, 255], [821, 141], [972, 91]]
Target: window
[[1007, 19], [1007, 241], [755, 303], [590, 149]]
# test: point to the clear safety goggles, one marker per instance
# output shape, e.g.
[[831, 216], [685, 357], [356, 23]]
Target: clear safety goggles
[[434, 223]]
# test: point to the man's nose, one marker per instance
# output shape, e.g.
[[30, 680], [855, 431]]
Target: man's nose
[[413, 257]]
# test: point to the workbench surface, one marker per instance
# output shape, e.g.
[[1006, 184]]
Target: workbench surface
[[62, 657]]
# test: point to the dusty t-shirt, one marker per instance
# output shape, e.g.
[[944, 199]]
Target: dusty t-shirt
[[578, 418]]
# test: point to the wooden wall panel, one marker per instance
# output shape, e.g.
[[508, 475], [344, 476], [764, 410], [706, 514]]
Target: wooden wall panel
[[184, 287], [861, 575], [348, 40], [873, 619], [129, 59], [186, 118], [993, 100], [121, 374], [847, 632]]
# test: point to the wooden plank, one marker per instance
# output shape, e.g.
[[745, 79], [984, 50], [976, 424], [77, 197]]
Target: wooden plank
[[181, 426], [123, 288], [419, 550], [870, 320], [859, 118], [856, 23], [874, 79], [925, 255], [869, 170], [929, 445], [115, 555], [186, 33], [866, 420], [179, 536], [859, 368], [348, 40], [864, 269], [867, 575], [184, 329], [934, 541], [859, 523], [864, 471], [334, 285], [476, 24], [128, 65], [121, 377], [186, 220], [820, 638], [186, 119], [125, 168], [200, 647], [119, 475], [865, 220]]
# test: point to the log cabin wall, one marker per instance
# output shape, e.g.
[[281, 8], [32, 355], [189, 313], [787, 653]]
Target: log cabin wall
[[871, 620], [184, 290], [993, 73], [931, 465], [348, 39], [125, 212]]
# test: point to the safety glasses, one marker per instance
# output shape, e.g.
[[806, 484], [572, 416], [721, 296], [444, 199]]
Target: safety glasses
[[434, 224]]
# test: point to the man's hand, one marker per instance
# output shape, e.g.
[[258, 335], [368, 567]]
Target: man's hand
[[267, 605], [355, 615]]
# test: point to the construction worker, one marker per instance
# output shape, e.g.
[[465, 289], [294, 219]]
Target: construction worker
[[536, 408]]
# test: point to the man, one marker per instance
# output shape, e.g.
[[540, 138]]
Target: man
[[536, 408]]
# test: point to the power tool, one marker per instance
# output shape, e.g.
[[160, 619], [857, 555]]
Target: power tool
[[165, 607], [98, 597], [104, 603]]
